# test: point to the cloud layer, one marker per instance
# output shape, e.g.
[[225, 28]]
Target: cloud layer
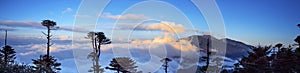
[[34, 25]]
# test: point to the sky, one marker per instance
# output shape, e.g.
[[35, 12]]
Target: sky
[[137, 22]]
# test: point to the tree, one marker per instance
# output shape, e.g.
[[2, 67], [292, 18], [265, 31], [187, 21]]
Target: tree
[[256, 61], [16, 68], [165, 65], [7, 60], [123, 64], [202, 69], [9, 55], [297, 51], [97, 39], [284, 61], [51, 25], [46, 64]]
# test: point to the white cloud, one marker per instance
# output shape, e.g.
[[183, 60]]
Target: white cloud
[[67, 10], [26, 24], [124, 17], [166, 26], [183, 45], [37, 25]]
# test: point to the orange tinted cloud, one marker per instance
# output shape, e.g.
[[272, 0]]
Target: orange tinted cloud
[[167, 26], [182, 45]]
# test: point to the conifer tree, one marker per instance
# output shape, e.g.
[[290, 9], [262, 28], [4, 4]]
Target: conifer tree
[[123, 64], [47, 63], [97, 39]]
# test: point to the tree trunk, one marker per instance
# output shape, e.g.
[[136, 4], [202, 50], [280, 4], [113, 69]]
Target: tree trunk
[[207, 53], [48, 50], [97, 65], [166, 69], [48, 41]]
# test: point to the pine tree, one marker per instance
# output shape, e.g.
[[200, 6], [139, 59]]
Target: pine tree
[[7, 60], [9, 55], [123, 64], [284, 61], [97, 39], [257, 61], [46, 64], [297, 53]]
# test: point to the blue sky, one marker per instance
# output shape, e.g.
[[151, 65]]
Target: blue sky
[[253, 22], [256, 21]]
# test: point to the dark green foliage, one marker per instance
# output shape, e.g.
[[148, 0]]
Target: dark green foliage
[[284, 61], [297, 53], [256, 61], [7, 62], [46, 64], [8, 55], [16, 68], [48, 23], [123, 64]]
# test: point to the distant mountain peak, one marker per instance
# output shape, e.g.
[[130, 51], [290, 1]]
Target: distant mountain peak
[[234, 49]]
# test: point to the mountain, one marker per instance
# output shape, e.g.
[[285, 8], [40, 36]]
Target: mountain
[[234, 49]]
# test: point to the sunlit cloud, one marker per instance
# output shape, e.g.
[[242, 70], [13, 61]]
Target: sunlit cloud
[[166, 26], [63, 37], [183, 45]]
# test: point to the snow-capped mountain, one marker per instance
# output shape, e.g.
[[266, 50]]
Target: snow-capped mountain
[[235, 50]]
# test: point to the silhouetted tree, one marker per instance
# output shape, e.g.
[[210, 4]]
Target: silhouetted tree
[[47, 63], [7, 60], [123, 64], [165, 65], [257, 61], [42, 67], [16, 68], [202, 69], [297, 52], [284, 61], [97, 39], [51, 25], [9, 55]]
